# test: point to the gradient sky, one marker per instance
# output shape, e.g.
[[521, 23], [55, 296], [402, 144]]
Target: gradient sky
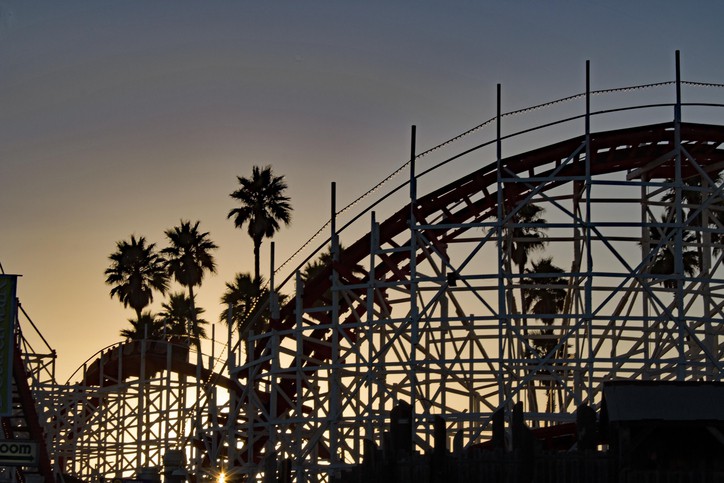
[[123, 117]]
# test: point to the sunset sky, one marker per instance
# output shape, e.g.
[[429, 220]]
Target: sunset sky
[[123, 117]]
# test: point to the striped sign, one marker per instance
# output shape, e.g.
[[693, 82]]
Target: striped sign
[[7, 324]]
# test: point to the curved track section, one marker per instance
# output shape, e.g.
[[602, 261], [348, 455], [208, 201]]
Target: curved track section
[[436, 307], [136, 401]]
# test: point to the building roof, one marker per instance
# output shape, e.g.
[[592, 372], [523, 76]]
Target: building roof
[[664, 401]]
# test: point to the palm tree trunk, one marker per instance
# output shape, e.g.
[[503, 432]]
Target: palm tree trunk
[[532, 393], [257, 247], [140, 326], [190, 331]]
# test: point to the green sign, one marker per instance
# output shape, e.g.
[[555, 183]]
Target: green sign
[[18, 453], [7, 345]]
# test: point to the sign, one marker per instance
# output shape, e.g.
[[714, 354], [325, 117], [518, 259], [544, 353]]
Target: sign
[[18, 453], [7, 345]]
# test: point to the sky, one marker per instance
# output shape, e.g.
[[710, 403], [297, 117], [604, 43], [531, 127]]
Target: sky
[[122, 118]]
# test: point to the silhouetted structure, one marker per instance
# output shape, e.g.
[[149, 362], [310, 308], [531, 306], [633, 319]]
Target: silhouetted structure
[[659, 432]]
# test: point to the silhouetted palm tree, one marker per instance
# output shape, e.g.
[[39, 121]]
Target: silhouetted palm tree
[[694, 195], [314, 268], [664, 261], [249, 308], [136, 271], [544, 294], [181, 318], [145, 326], [263, 206], [521, 241], [525, 240], [188, 257]]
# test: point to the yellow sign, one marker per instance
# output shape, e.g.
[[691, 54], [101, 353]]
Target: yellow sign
[[7, 324]]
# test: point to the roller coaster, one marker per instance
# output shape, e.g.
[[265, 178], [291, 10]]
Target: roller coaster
[[521, 274]]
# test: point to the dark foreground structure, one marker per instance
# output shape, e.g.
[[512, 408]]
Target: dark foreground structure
[[644, 432]]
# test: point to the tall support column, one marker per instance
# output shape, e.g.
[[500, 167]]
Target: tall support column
[[370, 309], [274, 376], [234, 398], [197, 407], [414, 315], [298, 363], [645, 250], [141, 420], [678, 234], [588, 295], [334, 384], [250, 409], [710, 337], [273, 300], [503, 321]]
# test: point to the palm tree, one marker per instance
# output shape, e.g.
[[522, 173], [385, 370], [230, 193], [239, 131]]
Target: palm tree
[[544, 294], [136, 271], [664, 262], [187, 259], [529, 237], [248, 300], [189, 256], [314, 268], [181, 318], [694, 195], [145, 326], [263, 207], [520, 241]]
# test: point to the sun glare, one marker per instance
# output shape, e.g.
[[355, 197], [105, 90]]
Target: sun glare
[[222, 477]]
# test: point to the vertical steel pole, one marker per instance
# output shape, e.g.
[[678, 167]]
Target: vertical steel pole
[[273, 301], [299, 361], [588, 296], [140, 433], [413, 286], [334, 399], [645, 250], [679, 227], [710, 337], [502, 309], [230, 359], [374, 243], [234, 399]]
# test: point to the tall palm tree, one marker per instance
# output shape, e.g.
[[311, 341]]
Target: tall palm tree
[[188, 258], [263, 206], [544, 294], [527, 235], [145, 326], [693, 195], [181, 318], [315, 268], [524, 235], [136, 271], [247, 298], [664, 261]]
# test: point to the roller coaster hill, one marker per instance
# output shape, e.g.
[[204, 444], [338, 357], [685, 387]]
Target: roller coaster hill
[[541, 301]]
